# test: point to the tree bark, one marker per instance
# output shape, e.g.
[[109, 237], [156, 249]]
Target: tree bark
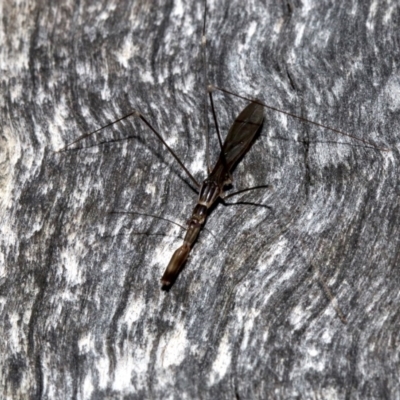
[[83, 313]]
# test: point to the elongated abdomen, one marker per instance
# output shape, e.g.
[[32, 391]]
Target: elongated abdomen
[[237, 143], [176, 263], [180, 256]]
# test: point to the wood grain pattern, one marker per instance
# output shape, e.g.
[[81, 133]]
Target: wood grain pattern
[[82, 312]]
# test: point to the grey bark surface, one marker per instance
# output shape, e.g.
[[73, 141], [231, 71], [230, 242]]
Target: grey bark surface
[[82, 312]]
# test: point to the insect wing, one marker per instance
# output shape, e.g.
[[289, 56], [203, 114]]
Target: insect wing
[[242, 133]]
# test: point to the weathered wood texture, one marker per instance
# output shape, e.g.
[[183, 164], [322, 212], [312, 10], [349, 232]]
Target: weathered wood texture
[[82, 313]]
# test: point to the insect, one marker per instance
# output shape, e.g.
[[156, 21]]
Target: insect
[[231, 153], [237, 143]]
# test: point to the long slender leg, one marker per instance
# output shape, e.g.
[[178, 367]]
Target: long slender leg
[[246, 190], [169, 149], [141, 116], [367, 142], [208, 90], [86, 135], [223, 200], [205, 83], [222, 155], [149, 215]]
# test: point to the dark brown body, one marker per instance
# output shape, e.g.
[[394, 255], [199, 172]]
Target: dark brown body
[[238, 141]]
